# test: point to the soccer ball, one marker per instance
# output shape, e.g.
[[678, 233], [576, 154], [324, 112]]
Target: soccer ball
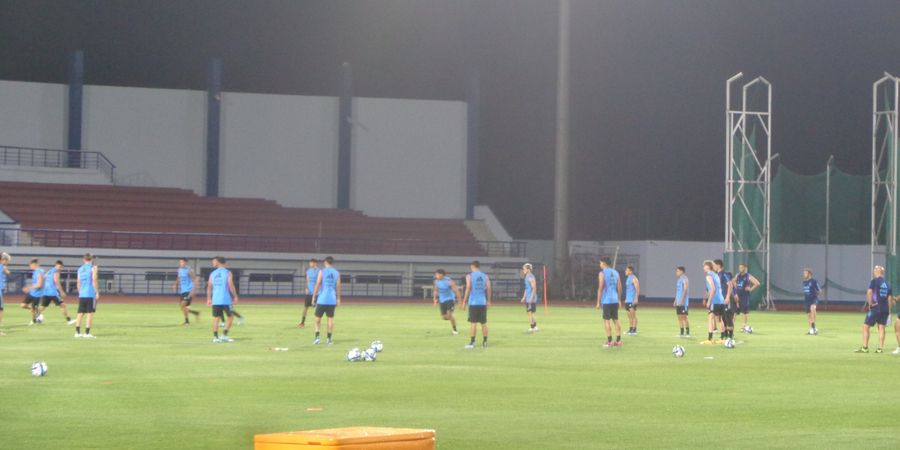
[[39, 319], [749, 329], [678, 351], [370, 355], [39, 369], [377, 346], [729, 343], [354, 355]]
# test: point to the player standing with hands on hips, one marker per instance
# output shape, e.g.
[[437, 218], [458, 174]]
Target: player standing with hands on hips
[[478, 297], [221, 295], [326, 297], [609, 290], [529, 297], [878, 298], [681, 302], [632, 295], [88, 294], [744, 285]]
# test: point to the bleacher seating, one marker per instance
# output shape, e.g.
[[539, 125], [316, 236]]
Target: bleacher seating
[[262, 225]]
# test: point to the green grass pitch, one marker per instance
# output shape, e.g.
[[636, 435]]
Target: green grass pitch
[[148, 383]]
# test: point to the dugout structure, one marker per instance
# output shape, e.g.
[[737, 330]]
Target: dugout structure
[[885, 112], [748, 167]]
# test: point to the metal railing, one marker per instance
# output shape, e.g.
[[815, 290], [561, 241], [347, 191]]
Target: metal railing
[[44, 157], [353, 284], [42, 237]]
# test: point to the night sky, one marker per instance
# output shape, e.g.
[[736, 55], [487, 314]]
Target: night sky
[[647, 82]]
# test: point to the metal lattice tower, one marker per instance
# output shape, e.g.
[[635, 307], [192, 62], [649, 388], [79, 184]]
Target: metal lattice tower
[[885, 112], [748, 167]]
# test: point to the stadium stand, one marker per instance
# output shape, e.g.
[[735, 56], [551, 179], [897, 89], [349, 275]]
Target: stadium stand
[[99, 216]]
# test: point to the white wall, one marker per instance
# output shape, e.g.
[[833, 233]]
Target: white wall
[[408, 155], [32, 114], [154, 137], [280, 147], [58, 175], [409, 158]]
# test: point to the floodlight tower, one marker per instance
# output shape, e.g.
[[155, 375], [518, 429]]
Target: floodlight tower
[[561, 191], [748, 175], [885, 112]]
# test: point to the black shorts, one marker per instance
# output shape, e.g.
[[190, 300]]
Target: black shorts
[[447, 306], [610, 311], [807, 306], [717, 310], [478, 314], [33, 301], [87, 305], [307, 301], [530, 307], [47, 299], [876, 316], [728, 318], [681, 311], [630, 307], [744, 307], [186, 298], [325, 310], [221, 311]]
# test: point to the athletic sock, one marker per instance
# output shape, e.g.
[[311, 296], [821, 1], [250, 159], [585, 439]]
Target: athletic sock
[[68, 319], [317, 334], [618, 338], [484, 340], [609, 339], [329, 335], [688, 330], [77, 330], [87, 330], [682, 331], [454, 327], [472, 340], [813, 325], [225, 332], [710, 337], [216, 334]]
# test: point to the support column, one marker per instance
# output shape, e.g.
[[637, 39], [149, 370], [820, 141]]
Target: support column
[[473, 108], [345, 136], [561, 203], [213, 125], [76, 102]]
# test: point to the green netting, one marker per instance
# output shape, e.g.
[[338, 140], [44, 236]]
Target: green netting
[[799, 205]]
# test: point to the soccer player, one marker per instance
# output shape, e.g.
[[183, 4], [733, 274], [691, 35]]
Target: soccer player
[[221, 295], [446, 290], [609, 290], [811, 291], [88, 294], [681, 302], [326, 297], [744, 284], [478, 297], [4, 272], [878, 299], [728, 294], [529, 297], [632, 295], [312, 275], [184, 286], [35, 291], [713, 300], [54, 292]]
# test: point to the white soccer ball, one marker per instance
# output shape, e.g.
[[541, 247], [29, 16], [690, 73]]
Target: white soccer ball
[[729, 343], [39, 319], [678, 351], [354, 355], [370, 355], [39, 369], [749, 330], [377, 346]]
